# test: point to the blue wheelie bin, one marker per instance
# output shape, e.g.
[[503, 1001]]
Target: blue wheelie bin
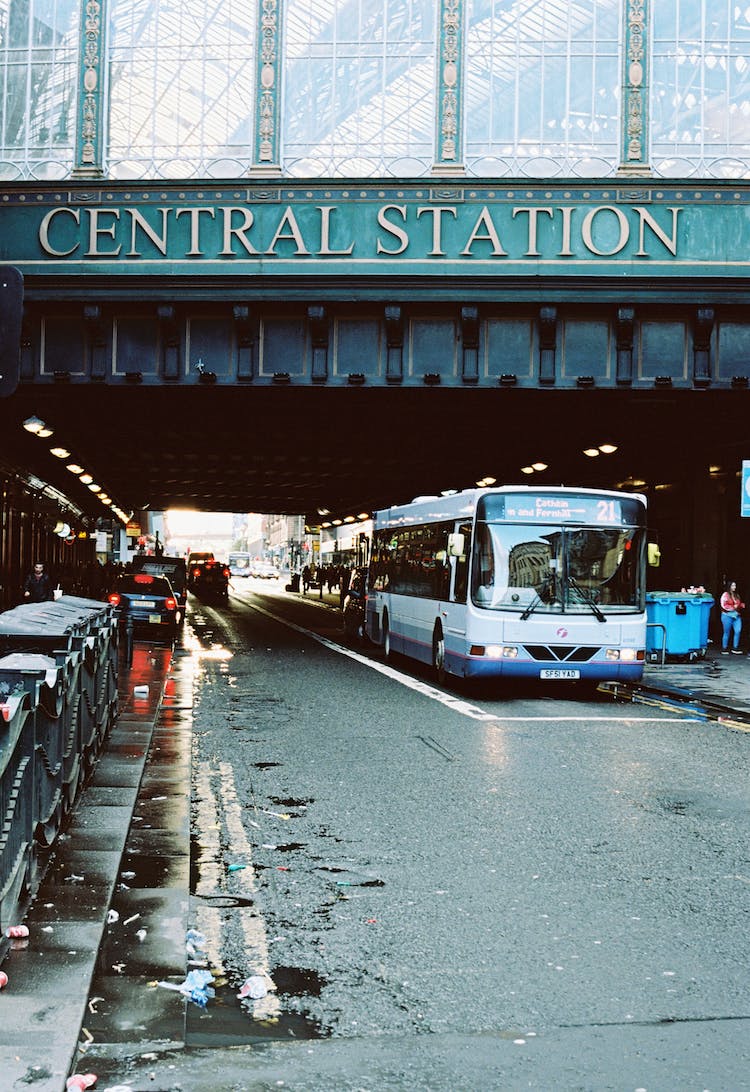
[[677, 624]]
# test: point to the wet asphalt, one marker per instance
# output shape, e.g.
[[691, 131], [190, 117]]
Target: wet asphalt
[[114, 909]]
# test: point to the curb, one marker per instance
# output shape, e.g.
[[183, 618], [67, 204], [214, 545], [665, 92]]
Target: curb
[[680, 699]]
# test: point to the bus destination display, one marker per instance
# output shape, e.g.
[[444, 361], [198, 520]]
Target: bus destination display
[[559, 508]]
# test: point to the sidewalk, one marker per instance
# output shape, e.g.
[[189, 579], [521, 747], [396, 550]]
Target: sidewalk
[[719, 686]]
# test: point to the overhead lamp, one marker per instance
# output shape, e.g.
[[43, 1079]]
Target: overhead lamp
[[33, 424], [448, 492], [337, 522], [62, 530], [324, 511], [592, 452], [95, 488], [363, 515], [60, 452], [348, 519], [490, 481], [74, 468], [86, 479], [106, 500], [608, 449], [326, 524], [44, 432], [539, 466], [527, 469]]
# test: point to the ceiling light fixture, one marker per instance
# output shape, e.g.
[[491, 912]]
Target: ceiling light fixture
[[608, 449], [86, 479], [527, 469], [539, 466], [33, 424], [60, 452], [592, 452]]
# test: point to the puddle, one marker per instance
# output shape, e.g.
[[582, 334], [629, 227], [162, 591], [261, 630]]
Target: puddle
[[291, 802], [297, 982], [226, 1022], [265, 765], [289, 846]]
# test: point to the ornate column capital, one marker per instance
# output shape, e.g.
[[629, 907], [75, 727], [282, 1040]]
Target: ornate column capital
[[267, 146], [89, 121], [634, 143], [449, 136]]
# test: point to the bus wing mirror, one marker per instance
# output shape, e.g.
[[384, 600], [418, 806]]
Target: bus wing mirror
[[456, 544], [654, 554]]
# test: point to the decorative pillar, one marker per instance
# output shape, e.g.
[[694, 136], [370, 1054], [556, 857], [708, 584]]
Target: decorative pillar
[[89, 150], [634, 158], [449, 136], [267, 148]]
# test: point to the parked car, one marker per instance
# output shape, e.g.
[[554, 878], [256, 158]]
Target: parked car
[[209, 580], [174, 568], [263, 570], [148, 599], [355, 604]]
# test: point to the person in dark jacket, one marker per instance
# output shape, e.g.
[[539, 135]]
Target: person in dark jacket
[[37, 587]]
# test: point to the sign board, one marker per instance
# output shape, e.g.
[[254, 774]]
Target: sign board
[[745, 499]]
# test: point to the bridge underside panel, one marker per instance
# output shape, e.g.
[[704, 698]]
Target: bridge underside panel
[[525, 345]]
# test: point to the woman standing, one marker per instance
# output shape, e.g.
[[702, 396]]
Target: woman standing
[[731, 622]]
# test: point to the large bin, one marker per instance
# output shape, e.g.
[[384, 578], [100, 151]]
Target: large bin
[[684, 618]]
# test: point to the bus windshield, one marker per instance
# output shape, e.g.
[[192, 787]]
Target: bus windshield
[[556, 569]]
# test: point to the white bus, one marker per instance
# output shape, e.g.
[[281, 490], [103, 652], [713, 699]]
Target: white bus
[[545, 583]]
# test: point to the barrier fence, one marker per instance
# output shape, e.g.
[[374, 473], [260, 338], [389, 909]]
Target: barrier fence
[[58, 700]]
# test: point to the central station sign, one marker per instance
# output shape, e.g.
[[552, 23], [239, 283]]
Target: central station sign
[[413, 230]]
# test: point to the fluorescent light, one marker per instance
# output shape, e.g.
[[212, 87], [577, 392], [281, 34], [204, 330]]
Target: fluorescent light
[[95, 488], [527, 469], [592, 452], [60, 452], [33, 424], [490, 481], [539, 466], [608, 449], [74, 468], [86, 479], [44, 432]]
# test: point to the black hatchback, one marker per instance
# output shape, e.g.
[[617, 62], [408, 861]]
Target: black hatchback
[[148, 599]]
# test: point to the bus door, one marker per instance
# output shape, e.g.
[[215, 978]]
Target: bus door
[[454, 611]]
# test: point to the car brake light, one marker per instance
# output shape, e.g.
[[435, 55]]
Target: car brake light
[[227, 572], [114, 599], [196, 573], [170, 603]]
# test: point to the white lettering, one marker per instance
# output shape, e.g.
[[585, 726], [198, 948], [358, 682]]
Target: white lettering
[[531, 250], [646, 219], [437, 225], [491, 235], [392, 229], [588, 225], [325, 228], [295, 235], [95, 230], [44, 233], [195, 215], [138, 220], [237, 232]]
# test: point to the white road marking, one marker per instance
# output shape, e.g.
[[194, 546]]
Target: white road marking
[[211, 811], [464, 708]]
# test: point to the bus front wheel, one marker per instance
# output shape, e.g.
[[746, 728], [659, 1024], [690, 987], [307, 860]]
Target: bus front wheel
[[438, 654]]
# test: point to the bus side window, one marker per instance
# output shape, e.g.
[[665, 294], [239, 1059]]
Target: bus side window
[[461, 569]]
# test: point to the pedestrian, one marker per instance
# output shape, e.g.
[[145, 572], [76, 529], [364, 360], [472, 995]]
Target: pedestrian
[[731, 620], [305, 578], [37, 587]]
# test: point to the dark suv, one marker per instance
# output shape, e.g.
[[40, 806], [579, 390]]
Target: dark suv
[[209, 579]]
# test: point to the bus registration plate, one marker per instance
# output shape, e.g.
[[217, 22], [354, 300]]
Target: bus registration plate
[[559, 673]]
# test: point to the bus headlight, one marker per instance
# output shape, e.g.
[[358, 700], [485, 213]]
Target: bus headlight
[[495, 652], [624, 655]]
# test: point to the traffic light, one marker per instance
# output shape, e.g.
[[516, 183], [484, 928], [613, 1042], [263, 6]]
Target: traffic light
[[11, 308]]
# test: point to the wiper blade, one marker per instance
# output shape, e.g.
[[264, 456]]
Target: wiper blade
[[532, 607], [588, 599]]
